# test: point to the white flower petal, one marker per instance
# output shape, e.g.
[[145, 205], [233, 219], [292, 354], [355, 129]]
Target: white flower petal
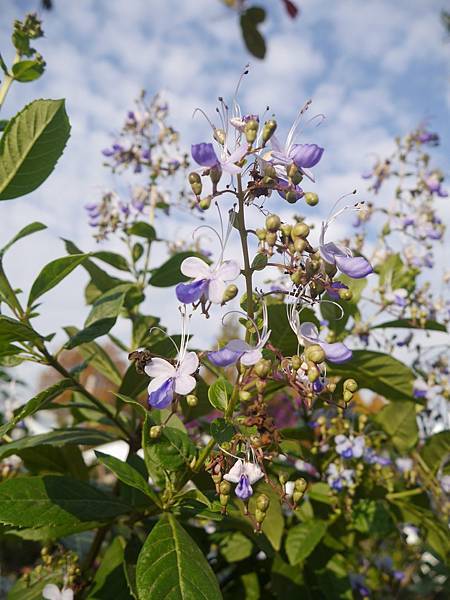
[[216, 290], [159, 367], [309, 332], [184, 384], [67, 594], [238, 346], [234, 474], [228, 270], [253, 472], [156, 383], [51, 592], [188, 365], [251, 357], [195, 267]]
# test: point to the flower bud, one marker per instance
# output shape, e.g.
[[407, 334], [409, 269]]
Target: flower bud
[[273, 222], [251, 130], [286, 229], [345, 295], [300, 245], [191, 400], [260, 385], [230, 293], [315, 354], [137, 252], [300, 230], [215, 173], [205, 203], [225, 487], [262, 502], [268, 130], [292, 196], [219, 136], [262, 367], [271, 238], [261, 234], [155, 432], [270, 171], [300, 485], [196, 183], [330, 269], [331, 387], [350, 385], [348, 396], [311, 198], [296, 362], [244, 395], [313, 372], [260, 515]]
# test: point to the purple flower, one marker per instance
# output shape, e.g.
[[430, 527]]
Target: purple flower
[[306, 155], [349, 447], [355, 267], [332, 291], [338, 477], [336, 352], [205, 155], [245, 474], [209, 281], [283, 187]]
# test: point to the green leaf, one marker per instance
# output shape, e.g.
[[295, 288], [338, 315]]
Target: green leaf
[[102, 317], [55, 502], [409, 324], [57, 438], [171, 566], [30, 147], [302, 539], [282, 336], [97, 358], [219, 392], [221, 430], [371, 516], [338, 317], [109, 581], [12, 330], [54, 272], [398, 419], [259, 262], [27, 230], [43, 460], [112, 258], [250, 20], [134, 403], [143, 229], [169, 273], [37, 403], [28, 70], [173, 450], [379, 372], [7, 294], [127, 474], [436, 450], [273, 525], [394, 274], [235, 546]]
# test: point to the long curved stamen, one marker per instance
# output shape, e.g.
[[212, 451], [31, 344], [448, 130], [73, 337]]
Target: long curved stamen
[[331, 217], [168, 336], [185, 320], [319, 115], [229, 453], [240, 312], [200, 110], [336, 304], [236, 107], [295, 125]]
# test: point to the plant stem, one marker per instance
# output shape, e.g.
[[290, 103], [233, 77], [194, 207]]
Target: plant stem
[[248, 272], [7, 81]]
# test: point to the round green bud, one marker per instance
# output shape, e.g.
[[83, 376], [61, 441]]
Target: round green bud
[[347, 395], [300, 230], [350, 385], [300, 484], [262, 502], [273, 222], [291, 197], [261, 234], [191, 400], [271, 238], [268, 130], [330, 269], [231, 292], [197, 188], [311, 198], [225, 487], [224, 499], [331, 387], [251, 130], [300, 245], [205, 203], [313, 372], [345, 295], [244, 395], [260, 515], [291, 170], [137, 252], [270, 171], [296, 362], [194, 178], [215, 173], [296, 277], [315, 354], [286, 229], [262, 367], [155, 431]]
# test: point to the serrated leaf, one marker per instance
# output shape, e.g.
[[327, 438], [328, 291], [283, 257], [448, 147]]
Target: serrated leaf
[[172, 450], [31, 145], [37, 403], [27, 230], [28, 70], [171, 566], [219, 392], [169, 273], [221, 430], [302, 539], [436, 450], [54, 272], [398, 420], [235, 547]]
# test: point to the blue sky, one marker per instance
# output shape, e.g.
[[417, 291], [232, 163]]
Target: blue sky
[[375, 68]]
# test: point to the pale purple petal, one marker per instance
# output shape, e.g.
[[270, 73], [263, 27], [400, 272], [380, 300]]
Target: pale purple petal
[[163, 396], [184, 384], [243, 489], [216, 290], [336, 353], [306, 155], [234, 474], [195, 267], [191, 292], [188, 365], [224, 357], [251, 357], [356, 267], [204, 154], [228, 270]]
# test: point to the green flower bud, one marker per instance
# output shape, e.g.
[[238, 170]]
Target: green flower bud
[[251, 130], [260, 515], [291, 196], [330, 269], [261, 234], [224, 499], [345, 295], [300, 245], [347, 395], [260, 386], [296, 277], [194, 177], [271, 238], [225, 487], [230, 293], [311, 198], [244, 395], [296, 362], [268, 130], [315, 354], [350, 385], [300, 485], [313, 372], [215, 173], [262, 502], [273, 222], [286, 229], [205, 203], [262, 367], [137, 252], [191, 400], [300, 230], [270, 171], [155, 432]]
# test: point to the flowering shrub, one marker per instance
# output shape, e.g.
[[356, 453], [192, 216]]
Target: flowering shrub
[[305, 453]]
